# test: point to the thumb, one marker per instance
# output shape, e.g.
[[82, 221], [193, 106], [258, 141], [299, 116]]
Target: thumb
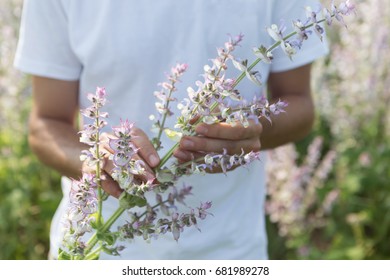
[[146, 149]]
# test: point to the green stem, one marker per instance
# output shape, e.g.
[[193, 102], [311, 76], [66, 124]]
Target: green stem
[[166, 157], [164, 116], [106, 226], [155, 206], [92, 254], [98, 171]]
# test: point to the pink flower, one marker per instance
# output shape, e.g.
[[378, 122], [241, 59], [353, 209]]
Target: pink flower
[[347, 8]]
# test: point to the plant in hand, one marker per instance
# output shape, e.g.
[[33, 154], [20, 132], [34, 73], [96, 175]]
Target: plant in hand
[[211, 102]]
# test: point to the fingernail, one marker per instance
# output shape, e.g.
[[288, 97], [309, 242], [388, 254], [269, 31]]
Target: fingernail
[[153, 160], [201, 129], [186, 143]]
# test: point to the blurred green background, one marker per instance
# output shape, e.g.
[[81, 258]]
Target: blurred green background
[[328, 196]]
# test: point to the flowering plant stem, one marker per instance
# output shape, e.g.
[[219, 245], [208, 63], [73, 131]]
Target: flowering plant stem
[[98, 173], [169, 154], [106, 226], [161, 129], [126, 167]]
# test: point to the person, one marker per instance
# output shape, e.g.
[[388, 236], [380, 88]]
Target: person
[[70, 47]]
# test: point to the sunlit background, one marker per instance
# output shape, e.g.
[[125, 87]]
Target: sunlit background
[[328, 196]]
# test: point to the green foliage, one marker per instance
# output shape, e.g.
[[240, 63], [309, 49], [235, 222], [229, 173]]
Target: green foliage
[[29, 195], [361, 219], [358, 226], [352, 96], [29, 191]]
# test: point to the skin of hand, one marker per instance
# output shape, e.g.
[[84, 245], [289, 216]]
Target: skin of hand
[[291, 86], [146, 150], [216, 137], [53, 134]]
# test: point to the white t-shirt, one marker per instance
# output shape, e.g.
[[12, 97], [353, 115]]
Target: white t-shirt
[[127, 47]]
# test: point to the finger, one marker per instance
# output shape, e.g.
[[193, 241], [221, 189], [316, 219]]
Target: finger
[[110, 186], [104, 142], [146, 149], [211, 145], [229, 132], [185, 156], [108, 167], [194, 120], [148, 173], [108, 164]]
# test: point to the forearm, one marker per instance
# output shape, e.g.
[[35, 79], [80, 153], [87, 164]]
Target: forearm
[[293, 125], [56, 144]]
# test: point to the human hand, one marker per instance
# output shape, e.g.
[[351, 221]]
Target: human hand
[[146, 153], [215, 138]]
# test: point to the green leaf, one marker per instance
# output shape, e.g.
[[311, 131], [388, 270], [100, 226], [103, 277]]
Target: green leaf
[[165, 176], [94, 222], [128, 201]]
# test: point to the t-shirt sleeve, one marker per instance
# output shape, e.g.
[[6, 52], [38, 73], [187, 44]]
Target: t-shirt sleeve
[[311, 49], [44, 46]]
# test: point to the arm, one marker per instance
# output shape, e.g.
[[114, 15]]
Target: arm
[[52, 127], [291, 86], [53, 133], [294, 88]]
